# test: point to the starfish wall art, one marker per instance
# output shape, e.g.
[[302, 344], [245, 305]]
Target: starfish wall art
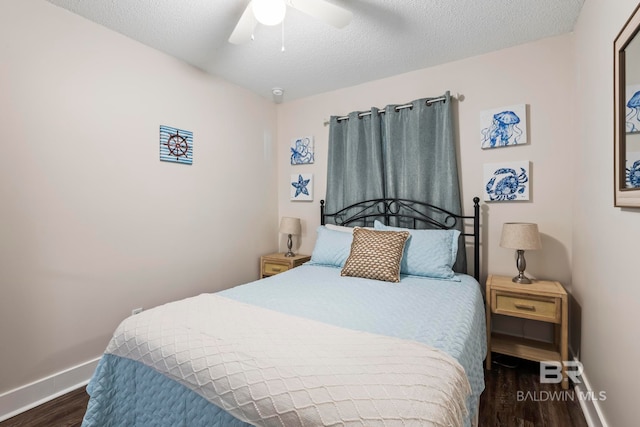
[[302, 187]]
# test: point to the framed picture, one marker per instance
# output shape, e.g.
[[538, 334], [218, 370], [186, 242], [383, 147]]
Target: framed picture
[[506, 181], [302, 151], [503, 127], [176, 145], [302, 187]]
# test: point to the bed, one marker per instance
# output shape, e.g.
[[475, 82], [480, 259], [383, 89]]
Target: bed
[[315, 345]]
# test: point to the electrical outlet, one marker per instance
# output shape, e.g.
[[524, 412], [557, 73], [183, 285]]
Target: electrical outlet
[[136, 310]]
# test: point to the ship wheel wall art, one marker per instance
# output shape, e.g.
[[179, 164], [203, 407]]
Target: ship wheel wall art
[[176, 145]]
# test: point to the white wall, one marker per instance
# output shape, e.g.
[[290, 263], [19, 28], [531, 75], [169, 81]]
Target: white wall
[[605, 239], [92, 223], [537, 74]]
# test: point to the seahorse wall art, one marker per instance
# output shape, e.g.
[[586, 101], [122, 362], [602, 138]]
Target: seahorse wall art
[[506, 181], [302, 150], [504, 126]]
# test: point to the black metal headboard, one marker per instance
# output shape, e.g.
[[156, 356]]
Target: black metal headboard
[[409, 214]]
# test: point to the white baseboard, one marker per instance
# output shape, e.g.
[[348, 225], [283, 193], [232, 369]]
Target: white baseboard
[[590, 407], [21, 399]]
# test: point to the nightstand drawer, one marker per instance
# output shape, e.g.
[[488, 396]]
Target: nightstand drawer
[[274, 268], [537, 308], [273, 264]]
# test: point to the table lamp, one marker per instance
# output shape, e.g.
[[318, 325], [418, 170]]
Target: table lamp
[[290, 226], [520, 236]]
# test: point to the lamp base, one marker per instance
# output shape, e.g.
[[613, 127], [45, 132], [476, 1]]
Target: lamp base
[[289, 245], [521, 263], [522, 279]]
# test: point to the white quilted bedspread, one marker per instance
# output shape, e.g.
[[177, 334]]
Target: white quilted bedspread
[[272, 369]]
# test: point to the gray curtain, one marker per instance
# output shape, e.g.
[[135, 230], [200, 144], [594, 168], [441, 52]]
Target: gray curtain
[[419, 154], [407, 153], [355, 170]]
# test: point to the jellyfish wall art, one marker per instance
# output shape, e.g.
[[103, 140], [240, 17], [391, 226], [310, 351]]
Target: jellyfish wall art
[[302, 150], [302, 187], [502, 127], [632, 108], [505, 182]]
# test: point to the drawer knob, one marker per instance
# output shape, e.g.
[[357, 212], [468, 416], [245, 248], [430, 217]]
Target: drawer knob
[[277, 269], [525, 307]]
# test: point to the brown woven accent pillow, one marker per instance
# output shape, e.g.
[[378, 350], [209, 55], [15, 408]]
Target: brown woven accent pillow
[[375, 254]]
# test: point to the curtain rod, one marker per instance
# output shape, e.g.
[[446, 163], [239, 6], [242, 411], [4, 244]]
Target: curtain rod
[[399, 107]]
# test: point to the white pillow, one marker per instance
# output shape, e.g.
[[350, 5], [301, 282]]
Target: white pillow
[[339, 228]]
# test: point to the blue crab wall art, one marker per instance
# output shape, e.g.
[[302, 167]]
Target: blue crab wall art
[[633, 175], [507, 182]]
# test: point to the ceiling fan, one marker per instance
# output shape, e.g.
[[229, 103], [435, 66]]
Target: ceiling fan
[[271, 12]]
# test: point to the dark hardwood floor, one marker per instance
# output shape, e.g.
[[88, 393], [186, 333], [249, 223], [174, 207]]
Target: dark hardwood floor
[[64, 411], [514, 397], [500, 405]]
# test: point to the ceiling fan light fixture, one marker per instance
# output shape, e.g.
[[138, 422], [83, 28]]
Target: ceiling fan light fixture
[[269, 12]]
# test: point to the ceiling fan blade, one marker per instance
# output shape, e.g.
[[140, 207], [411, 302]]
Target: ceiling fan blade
[[245, 26], [323, 10]]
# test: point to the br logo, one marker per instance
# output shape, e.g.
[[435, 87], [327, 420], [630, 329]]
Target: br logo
[[551, 371]]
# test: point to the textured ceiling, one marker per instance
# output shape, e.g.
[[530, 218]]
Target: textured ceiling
[[384, 38]]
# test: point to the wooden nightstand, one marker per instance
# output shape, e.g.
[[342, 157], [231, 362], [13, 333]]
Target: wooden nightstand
[[277, 263], [542, 300]]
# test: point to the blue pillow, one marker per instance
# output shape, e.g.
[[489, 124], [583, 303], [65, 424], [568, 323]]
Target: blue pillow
[[429, 253], [332, 247]]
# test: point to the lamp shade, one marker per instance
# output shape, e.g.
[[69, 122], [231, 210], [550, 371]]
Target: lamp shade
[[290, 225], [520, 235]]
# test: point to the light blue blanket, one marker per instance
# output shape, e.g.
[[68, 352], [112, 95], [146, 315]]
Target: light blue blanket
[[443, 314]]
